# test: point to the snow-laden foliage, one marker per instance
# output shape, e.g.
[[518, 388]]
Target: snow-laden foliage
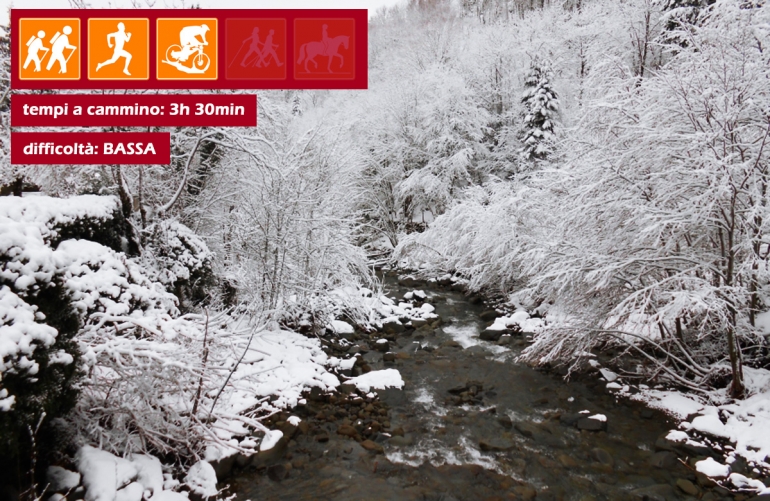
[[541, 105], [652, 233], [182, 259]]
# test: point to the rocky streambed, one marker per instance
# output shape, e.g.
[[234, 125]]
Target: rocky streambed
[[470, 424]]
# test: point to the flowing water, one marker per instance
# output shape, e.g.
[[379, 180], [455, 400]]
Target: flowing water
[[500, 434]]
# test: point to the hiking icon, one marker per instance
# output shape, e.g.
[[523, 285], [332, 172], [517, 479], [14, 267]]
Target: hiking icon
[[261, 55], [59, 44]]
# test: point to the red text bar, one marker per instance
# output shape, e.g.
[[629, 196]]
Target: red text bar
[[78, 148], [106, 110]]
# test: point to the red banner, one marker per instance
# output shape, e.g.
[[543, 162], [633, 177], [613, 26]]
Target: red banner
[[82, 148], [189, 49], [133, 110]]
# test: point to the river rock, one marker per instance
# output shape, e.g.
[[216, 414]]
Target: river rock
[[663, 459], [382, 345], [657, 492], [526, 429], [477, 350], [569, 419], [586, 423], [497, 444], [389, 357], [490, 335], [602, 456], [419, 322], [393, 326], [687, 487], [278, 472], [407, 282], [525, 491], [488, 315], [371, 446], [401, 441], [505, 422], [347, 430]]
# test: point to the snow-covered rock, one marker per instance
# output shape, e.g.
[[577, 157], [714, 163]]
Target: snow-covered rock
[[378, 380], [61, 479], [202, 479], [149, 472], [270, 439]]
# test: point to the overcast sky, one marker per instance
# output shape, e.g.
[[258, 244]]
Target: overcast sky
[[372, 5]]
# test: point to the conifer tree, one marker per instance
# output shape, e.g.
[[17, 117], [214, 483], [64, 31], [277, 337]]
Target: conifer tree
[[541, 108]]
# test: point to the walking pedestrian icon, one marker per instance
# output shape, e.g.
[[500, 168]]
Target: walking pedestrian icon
[[187, 49], [118, 49], [54, 58], [256, 49]]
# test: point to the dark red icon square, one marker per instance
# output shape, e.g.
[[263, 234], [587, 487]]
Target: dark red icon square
[[324, 49], [255, 49]]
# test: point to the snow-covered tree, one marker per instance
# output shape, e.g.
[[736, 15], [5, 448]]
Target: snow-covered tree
[[541, 108]]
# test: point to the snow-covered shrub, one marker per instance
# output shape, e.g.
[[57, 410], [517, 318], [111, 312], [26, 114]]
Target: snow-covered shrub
[[182, 259]]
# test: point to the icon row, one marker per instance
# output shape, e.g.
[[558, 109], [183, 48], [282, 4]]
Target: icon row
[[186, 49]]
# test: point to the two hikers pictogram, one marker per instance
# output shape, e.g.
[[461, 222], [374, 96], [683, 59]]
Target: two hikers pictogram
[[256, 49], [51, 48]]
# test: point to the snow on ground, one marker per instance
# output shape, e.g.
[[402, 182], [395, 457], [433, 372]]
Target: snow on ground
[[107, 477], [520, 319], [378, 380], [742, 423]]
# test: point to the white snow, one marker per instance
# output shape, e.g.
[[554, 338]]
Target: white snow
[[378, 380], [131, 492], [99, 473], [599, 417], [677, 436], [711, 468], [62, 480], [169, 496], [746, 421], [202, 479], [294, 420], [149, 472], [520, 319], [340, 327], [608, 375], [270, 439], [745, 483]]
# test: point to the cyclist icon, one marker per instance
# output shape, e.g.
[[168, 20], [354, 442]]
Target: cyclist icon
[[190, 45]]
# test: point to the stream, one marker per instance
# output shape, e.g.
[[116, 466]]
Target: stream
[[471, 424]]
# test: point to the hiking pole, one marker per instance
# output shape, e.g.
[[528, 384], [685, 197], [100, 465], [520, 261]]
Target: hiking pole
[[236, 54], [68, 58]]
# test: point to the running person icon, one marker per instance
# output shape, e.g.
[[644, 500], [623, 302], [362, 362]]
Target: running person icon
[[60, 44], [35, 45], [120, 38]]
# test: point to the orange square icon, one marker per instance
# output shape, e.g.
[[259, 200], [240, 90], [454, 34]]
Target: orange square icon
[[186, 49], [50, 49], [118, 49]]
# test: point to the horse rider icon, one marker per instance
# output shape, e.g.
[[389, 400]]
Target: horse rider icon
[[60, 42], [120, 38], [327, 46], [35, 45]]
